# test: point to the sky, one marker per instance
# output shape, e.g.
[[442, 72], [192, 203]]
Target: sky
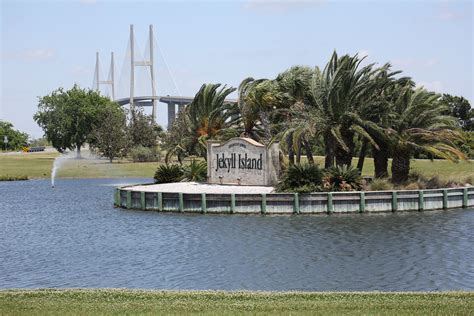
[[50, 44]]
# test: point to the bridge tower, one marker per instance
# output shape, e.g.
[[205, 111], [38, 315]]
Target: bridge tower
[[111, 81], [142, 63]]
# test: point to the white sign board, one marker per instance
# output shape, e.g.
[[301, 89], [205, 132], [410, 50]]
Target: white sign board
[[242, 161]]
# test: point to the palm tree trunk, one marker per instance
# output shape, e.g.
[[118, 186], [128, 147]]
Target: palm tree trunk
[[291, 153], [329, 149], [380, 161], [363, 152], [309, 152], [400, 166], [345, 157], [298, 153]]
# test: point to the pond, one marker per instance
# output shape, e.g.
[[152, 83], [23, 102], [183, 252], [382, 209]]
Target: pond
[[72, 236]]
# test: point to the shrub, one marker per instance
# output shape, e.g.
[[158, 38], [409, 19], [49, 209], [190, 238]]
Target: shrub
[[195, 171], [144, 154], [300, 178], [342, 178], [168, 173], [380, 185]]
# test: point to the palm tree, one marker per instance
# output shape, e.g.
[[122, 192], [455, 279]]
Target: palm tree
[[294, 91], [256, 99], [336, 93], [208, 116], [419, 125], [376, 109]]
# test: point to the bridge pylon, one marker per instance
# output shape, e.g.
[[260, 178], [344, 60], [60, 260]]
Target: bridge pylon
[[110, 81], [142, 63]]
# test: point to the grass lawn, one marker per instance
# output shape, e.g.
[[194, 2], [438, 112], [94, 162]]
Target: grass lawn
[[38, 165], [116, 302]]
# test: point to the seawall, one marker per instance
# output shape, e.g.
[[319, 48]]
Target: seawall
[[294, 203]]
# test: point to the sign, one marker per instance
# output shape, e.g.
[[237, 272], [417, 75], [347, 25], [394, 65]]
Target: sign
[[242, 161]]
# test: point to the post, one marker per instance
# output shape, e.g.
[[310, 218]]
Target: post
[[129, 199], [160, 202], [362, 202], [296, 205], [232, 203], [464, 197], [112, 74], [117, 197], [132, 65], [445, 198], [394, 201], [264, 204], [153, 88], [181, 202], [203, 203], [421, 201], [142, 200], [330, 208], [97, 71]]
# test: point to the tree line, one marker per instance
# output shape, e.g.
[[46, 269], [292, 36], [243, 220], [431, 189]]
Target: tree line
[[343, 110]]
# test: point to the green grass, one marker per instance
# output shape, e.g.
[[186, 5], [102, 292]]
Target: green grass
[[38, 165], [117, 302]]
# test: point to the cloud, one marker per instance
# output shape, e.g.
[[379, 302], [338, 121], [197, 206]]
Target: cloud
[[436, 86], [415, 62], [31, 55], [38, 54], [88, 1], [81, 70], [279, 6], [447, 13]]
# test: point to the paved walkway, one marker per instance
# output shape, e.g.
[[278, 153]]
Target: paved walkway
[[194, 187]]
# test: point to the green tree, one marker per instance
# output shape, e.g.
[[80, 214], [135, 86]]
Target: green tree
[[420, 125], [208, 116], [110, 134], [67, 117], [460, 108], [16, 139], [336, 94], [143, 131]]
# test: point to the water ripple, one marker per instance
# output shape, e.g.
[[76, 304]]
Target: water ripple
[[72, 237]]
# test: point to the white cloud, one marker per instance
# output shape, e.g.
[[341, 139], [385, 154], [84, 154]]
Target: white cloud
[[415, 62], [81, 70], [31, 55], [38, 54], [279, 5], [436, 86], [88, 1]]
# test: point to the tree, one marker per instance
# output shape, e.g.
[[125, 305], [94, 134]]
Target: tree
[[110, 134], [459, 108], [68, 117], [419, 124], [332, 109], [208, 116], [143, 131], [16, 139]]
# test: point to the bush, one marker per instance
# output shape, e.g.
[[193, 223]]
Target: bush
[[300, 178], [195, 171], [342, 178], [380, 185], [168, 174], [144, 154]]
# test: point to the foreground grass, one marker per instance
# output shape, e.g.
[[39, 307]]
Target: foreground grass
[[115, 302], [38, 165]]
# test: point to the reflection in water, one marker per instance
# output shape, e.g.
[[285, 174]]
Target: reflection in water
[[73, 237]]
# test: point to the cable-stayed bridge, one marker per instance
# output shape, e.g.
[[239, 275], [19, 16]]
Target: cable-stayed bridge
[[132, 98]]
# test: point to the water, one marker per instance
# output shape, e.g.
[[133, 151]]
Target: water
[[71, 236]]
